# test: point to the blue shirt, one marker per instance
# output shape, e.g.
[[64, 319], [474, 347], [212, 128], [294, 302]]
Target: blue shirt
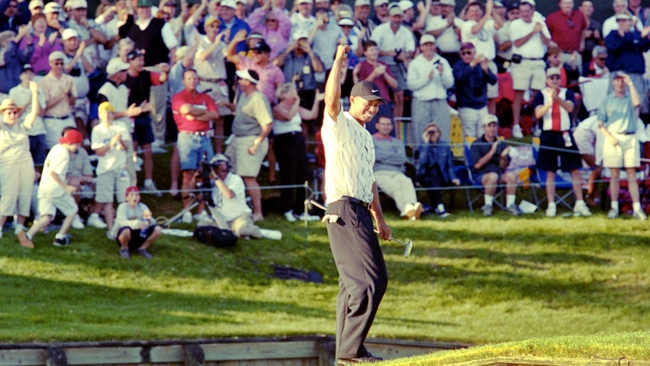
[[471, 85], [617, 114], [626, 53]]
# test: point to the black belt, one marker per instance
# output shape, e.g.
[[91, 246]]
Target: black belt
[[531, 59], [61, 118], [211, 80], [356, 201], [197, 133]]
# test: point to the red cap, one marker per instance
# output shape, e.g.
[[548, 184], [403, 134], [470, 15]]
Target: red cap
[[71, 137], [132, 189]]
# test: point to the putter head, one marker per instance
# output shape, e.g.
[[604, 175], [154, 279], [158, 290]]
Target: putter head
[[407, 250]]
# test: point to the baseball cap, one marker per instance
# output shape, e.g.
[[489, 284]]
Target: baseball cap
[[380, 2], [144, 3], [105, 107], [262, 47], [366, 90], [229, 3], [304, 2], [255, 35], [299, 34], [218, 159], [529, 2], [77, 4], [56, 55], [71, 137], [170, 3], [361, 2], [210, 19], [489, 119], [27, 67], [51, 8], [8, 104], [405, 5], [69, 33], [513, 6], [131, 189], [250, 75], [553, 71], [35, 4], [134, 54], [499, 4], [624, 15], [618, 74], [466, 46], [427, 38], [395, 10], [448, 2], [116, 65], [346, 21]]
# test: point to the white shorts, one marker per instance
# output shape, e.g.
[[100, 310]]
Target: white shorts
[[624, 155], [49, 205], [54, 127], [528, 75]]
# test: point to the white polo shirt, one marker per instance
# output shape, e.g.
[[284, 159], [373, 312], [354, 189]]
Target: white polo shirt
[[448, 41], [387, 40], [483, 40], [534, 48], [350, 156]]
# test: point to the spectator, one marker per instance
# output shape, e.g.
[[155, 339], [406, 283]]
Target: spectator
[[381, 12], [108, 21], [390, 157], [480, 29], [626, 47], [566, 27], [351, 39], [376, 71], [429, 77], [13, 58], [175, 22], [640, 12], [35, 7], [79, 65], [274, 26], [80, 175], [60, 93], [9, 19], [53, 191], [139, 82], [553, 107], [490, 159], [587, 135], [593, 33], [324, 38], [232, 212], [611, 24], [250, 144], [54, 19], [504, 43], [291, 150], [302, 19], [396, 48], [569, 71], [435, 167], [240, 11], [43, 45], [597, 67], [446, 29], [364, 26], [473, 76], [530, 38], [135, 227], [87, 29], [17, 177], [232, 23], [617, 122], [193, 113], [300, 64], [22, 96], [110, 142]]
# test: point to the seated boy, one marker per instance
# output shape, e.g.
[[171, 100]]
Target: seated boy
[[134, 227]]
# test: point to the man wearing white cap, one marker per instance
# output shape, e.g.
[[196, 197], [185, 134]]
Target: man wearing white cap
[[396, 47], [303, 20], [87, 28], [323, 36], [409, 12], [78, 65], [381, 11], [60, 93], [36, 7], [230, 22], [446, 29], [611, 24], [53, 18], [364, 26], [530, 38]]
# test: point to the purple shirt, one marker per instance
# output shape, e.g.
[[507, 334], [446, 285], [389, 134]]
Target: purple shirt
[[276, 39], [39, 60], [270, 77]]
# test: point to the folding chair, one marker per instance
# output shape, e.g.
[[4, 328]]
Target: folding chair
[[467, 180], [561, 184]]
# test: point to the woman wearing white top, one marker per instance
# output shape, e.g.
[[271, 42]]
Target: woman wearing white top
[[17, 174], [290, 148]]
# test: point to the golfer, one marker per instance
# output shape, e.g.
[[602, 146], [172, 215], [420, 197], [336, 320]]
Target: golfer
[[352, 198]]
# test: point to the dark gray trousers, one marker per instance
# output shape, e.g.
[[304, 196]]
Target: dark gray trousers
[[362, 275]]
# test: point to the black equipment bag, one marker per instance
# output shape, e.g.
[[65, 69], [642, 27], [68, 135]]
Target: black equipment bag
[[213, 236]]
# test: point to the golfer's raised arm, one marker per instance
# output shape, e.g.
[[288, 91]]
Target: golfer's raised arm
[[333, 85]]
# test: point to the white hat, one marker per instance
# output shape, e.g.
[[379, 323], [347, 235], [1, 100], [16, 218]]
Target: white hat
[[76, 4], [304, 2], [52, 8], [395, 10], [624, 15], [489, 119], [69, 33], [35, 3], [298, 34], [116, 65], [427, 38], [346, 21], [56, 55], [405, 5], [380, 2], [229, 3], [244, 74], [448, 2], [529, 2], [553, 71], [361, 2]]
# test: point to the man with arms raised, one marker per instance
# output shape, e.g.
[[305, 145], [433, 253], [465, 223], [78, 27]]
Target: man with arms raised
[[353, 202]]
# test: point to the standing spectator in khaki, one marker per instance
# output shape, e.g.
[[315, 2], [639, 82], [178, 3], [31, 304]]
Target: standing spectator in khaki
[[253, 123], [567, 27], [60, 94]]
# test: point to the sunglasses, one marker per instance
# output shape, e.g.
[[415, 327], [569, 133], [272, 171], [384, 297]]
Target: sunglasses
[[432, 132], [271, 20], [58, 63], [11, 112], [346, 26], [12, 6], [465, 53], [554, 77], [383, 5]]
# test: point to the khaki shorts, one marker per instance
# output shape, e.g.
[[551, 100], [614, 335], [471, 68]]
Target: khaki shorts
[[65, 204], [528, 75], [114, 182], [624, 155], [243, 163]]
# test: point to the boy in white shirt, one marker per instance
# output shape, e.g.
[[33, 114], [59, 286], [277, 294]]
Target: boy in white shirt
[[110, 141], [54, 193], [134, 226]]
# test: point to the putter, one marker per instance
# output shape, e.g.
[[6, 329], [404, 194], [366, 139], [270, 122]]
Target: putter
[[408, 245]]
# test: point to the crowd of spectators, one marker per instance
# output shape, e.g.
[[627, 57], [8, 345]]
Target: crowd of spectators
[[139, 75]]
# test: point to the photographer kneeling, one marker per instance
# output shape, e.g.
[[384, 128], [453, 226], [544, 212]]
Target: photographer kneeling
[[232, 212], [135, 228], [193, 113]]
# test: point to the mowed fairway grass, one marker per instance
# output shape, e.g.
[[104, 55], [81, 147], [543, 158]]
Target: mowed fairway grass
[[469, 279]]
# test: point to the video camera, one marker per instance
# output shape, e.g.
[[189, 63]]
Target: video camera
[[204, 185]]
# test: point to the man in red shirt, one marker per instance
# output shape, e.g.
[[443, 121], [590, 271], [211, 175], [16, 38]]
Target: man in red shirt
[[193, 113], [566, 27]]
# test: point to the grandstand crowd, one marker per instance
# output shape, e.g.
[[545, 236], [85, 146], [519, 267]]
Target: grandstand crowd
[[244, 78]]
